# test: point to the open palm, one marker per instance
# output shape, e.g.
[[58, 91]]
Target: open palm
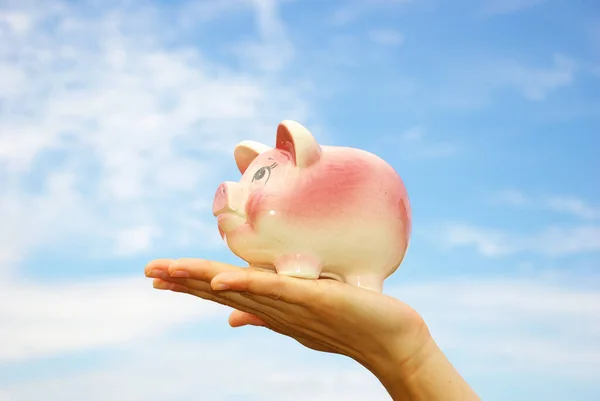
[[323, 314]]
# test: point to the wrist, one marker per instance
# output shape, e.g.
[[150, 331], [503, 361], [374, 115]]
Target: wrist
[[399, 352], [423, 373], [404, 358], [400, 374]]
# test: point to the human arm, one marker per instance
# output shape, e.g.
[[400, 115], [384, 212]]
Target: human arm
[[428, 375], [380, 332]]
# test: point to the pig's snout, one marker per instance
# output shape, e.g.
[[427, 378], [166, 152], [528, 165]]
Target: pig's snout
[[229, 198], [220, 201]]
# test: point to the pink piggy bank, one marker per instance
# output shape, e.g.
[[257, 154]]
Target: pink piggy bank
[[311, 211]]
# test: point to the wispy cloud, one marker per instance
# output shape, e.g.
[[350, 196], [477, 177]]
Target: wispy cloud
[[388, 37], [480, 319], [204, 370], [535, 83], [564, 204], [354, 9], [553, 241], [494, 8], [508, 314], [40, 320], [102, 126], [273, 49], [473, 83], [117, 122], [415, 144]]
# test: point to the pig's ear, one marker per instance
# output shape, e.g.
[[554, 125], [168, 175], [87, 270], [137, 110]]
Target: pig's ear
[[297, 140], [246, 151]]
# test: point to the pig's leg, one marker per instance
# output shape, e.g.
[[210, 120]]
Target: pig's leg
[[368, 282], [300, 266]]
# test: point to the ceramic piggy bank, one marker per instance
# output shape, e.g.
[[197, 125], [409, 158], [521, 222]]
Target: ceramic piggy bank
[[313, 211]]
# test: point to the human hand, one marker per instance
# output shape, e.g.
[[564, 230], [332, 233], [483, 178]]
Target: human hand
[[376, 330]]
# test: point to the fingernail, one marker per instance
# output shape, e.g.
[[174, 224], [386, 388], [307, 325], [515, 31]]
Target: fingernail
[[161, 285], [220, 286], [180, 274], [156, 273]]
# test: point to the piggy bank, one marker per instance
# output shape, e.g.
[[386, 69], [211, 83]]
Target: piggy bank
[[312, 211]]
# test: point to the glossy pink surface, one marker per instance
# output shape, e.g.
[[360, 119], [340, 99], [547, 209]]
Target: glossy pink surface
[[308, 210]]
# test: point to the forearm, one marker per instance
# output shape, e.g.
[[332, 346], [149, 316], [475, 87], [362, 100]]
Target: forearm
[[426, 376]]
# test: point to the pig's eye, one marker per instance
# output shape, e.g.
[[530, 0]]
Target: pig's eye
[[263, 172], [260, 174]]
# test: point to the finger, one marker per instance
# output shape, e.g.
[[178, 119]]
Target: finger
[[238, 318], [161, 284], [189, 283], [198, 269], [157, 268], [257, 312], [275, 286], [234, 300], [255, 301]]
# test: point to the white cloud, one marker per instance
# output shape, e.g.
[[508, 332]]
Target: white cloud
[[564, 204], [552, 241], [574, 206], [412, 135], [112, 139], [511, 197], [47, 319], [416, 145], [17, 22], [248, 368], [536, 83], [135, 239], [523, 326], [473, 88], [388, 37], [274, 50], [104, 129]]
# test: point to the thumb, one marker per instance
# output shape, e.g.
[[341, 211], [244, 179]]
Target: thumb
[[238, 319]]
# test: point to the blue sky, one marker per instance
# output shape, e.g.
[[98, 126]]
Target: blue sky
[[118, 121]]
